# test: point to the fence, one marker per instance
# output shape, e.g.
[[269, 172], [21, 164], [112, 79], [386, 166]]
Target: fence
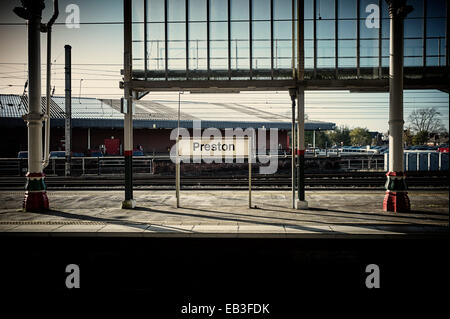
[[81, 166], [422, 161], [78, 166]]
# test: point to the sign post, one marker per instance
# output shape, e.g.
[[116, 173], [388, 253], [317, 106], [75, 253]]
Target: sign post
[[177, 164], [249, 175], [213, 149]]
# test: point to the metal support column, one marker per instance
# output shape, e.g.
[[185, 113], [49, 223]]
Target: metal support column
[[447, 42], [250, 37], [145, 40], [89, 138], [250, 159], [166, 41], [396, 198], [424, 36], [293, 61], [186, 4], [292, 93], [314, 36], [178, 163], [380, 44], [272, 53], [358, 42], [129, 202], [228, 37], [35, 195], [208, 39], [314, 141], [336, 42], [68, 107], [301, 202]]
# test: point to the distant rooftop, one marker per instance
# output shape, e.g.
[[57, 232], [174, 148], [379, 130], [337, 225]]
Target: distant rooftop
[[160, 113]]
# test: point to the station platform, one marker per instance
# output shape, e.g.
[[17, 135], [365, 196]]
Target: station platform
[[331, 214]]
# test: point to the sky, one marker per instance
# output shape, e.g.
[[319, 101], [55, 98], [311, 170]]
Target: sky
[[97, 48]]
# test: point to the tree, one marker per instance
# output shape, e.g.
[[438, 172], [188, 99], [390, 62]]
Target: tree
[[340, 136], [322, 139], [420, 138], [360, 136], [426, 120], [408, 136]]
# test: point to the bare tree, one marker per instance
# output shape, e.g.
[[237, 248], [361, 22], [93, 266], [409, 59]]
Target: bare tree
[[426, 120]]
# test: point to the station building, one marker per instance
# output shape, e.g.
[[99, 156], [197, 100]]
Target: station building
[[95, 122]]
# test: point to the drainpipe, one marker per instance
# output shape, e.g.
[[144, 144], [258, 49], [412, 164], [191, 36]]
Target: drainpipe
[[48, 28]]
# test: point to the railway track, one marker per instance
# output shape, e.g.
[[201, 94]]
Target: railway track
[[376, 180]]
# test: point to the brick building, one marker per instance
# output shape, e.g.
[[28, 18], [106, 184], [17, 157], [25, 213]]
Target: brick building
[[96, 120]]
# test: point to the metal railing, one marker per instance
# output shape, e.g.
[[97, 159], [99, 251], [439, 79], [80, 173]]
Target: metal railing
[[79, 166]]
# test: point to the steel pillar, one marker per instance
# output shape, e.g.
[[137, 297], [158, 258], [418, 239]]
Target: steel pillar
[[129, 202], [35, 195], [300, 93], [89, 138], [301, 202], [68, 107], [396, 198], [292, 93]]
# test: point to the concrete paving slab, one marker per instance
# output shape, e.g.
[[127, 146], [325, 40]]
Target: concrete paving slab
[[330, 213], [261, 231], [232, 229], [123, 230], [34, 228], [365, 229], [7, 227], [170, 230], [80, 230], [307, 229]]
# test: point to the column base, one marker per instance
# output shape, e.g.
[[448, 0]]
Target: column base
[[129, 204], [396, 198], [35, 199], [301, 204], [396, 202], [35, 202]]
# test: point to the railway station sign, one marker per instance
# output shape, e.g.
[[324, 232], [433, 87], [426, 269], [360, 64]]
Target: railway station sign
[[208, 148], [214, 147]]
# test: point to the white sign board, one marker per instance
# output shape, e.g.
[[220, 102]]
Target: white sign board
[[216, 148]]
